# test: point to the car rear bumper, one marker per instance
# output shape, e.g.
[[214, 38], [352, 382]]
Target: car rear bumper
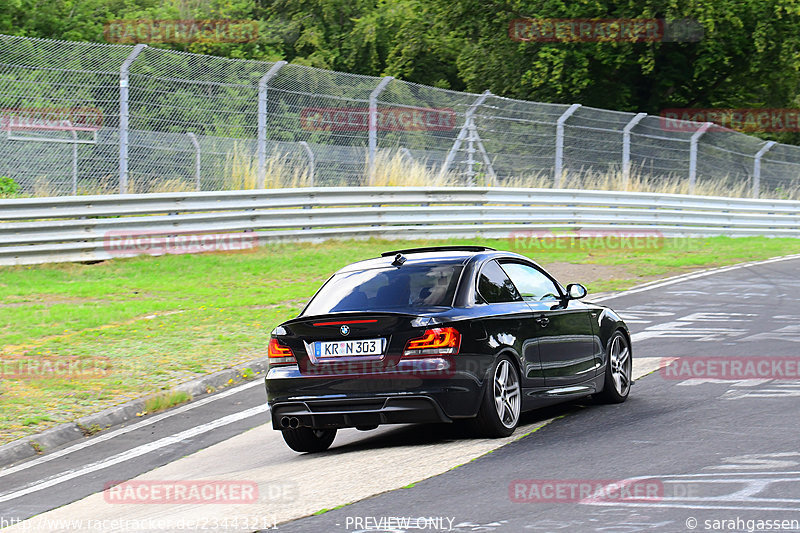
[[342, 413], [368, 400]]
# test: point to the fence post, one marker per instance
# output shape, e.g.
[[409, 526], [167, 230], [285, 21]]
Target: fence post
[[262, 122], [626, 148], [465, 130], [486, 161], [559, 163], [310, 155], [373, 126], [74, 163], [123, 115], [757, 167], [405, 152], [471, 153], [693, 154], [196, 145], [74, 158]]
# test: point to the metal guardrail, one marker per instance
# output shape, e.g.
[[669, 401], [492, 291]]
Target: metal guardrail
[[78, 228]]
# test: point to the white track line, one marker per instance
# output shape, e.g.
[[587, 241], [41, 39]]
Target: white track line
[[127, 429], [134, 452]]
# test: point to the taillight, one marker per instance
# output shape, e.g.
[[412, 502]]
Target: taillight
[[437, 341], [279, 353]]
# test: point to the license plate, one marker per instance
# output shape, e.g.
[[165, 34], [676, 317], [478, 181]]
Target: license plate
[[348, 348]]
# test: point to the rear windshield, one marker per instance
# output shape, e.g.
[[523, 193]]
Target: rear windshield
[[387, 288]]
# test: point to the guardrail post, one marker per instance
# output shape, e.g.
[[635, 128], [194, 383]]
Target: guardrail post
[[262, 122], [196, 145], [693, 154], [757, 167], [124, 86], [373, 126], [626, 148], [462, 135], [310, 155], [559, 163]]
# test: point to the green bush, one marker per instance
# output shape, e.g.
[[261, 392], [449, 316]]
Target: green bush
[[8, 187]]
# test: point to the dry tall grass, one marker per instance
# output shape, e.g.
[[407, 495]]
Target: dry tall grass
[[42, 186], [639, 181], [399, 169], [241, 172], [396, 169]]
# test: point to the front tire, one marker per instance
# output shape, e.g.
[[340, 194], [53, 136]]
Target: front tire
[[619, 369], [498, 415], [308, 439]]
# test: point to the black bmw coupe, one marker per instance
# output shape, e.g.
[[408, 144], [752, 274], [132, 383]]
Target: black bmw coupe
[[436, 335]]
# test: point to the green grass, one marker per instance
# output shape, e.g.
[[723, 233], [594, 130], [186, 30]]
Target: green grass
[[323, 511], [154, 322], [164, 401], [34, 420]]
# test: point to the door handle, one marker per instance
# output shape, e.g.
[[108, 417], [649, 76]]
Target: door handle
[[542, 321]]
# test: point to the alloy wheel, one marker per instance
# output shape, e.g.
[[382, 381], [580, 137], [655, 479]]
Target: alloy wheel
[[506, 393]]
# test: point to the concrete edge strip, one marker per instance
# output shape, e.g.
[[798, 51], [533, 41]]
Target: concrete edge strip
[[33, 445]]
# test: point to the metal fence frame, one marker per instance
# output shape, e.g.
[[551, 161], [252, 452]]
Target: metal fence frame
[[179, 116], [48, 230]]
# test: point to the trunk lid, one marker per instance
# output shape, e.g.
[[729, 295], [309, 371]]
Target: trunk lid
[[345, 343]]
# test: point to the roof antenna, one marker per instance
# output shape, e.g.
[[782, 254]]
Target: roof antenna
[[398, 260]]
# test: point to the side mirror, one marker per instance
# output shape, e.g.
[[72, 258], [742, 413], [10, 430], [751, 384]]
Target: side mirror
[[576, 291]]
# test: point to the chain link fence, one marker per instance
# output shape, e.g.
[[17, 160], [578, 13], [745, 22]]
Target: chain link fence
[[88, 118]]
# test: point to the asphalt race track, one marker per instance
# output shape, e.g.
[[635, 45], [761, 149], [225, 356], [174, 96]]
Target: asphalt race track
[[708, 454]]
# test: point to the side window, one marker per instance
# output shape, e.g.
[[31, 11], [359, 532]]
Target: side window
[[532, 284], [494, 285]]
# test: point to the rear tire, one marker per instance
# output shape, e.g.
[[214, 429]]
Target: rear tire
[[619, 365], [498, 415], [308, 439]]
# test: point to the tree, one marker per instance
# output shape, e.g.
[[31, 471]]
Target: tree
[[749, 55]]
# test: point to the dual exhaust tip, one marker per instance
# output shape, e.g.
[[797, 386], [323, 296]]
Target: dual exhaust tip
[[290, 422]]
